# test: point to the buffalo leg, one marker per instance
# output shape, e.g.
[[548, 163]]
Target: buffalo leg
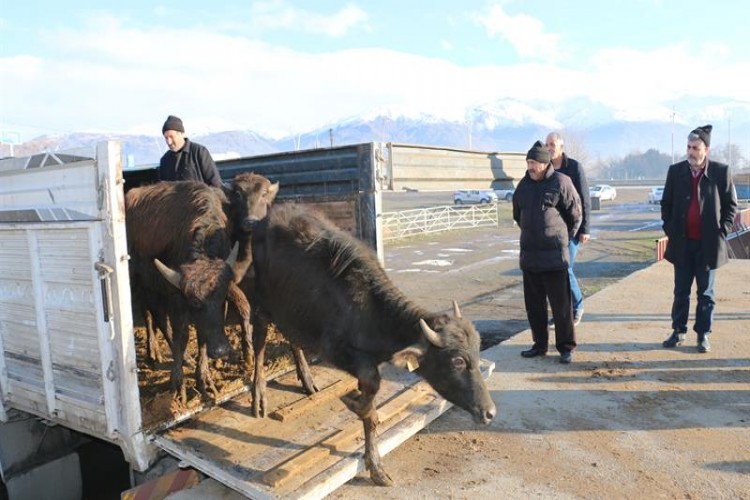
[[152, 346], [303, 370], [260, 334], [363, 405], [238, 299], [179, 345], [203, 379]]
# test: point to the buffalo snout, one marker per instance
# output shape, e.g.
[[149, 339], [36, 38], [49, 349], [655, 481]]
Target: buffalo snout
[[485, 415], [219, 348], [249, 223]]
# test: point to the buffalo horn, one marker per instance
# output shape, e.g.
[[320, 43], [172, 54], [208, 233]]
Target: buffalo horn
[[171, 275], [456, 310], [431, 334], [233, 254]]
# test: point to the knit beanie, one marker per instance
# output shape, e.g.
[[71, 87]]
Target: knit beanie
[[703, 133], [538, 152], [173, 123]]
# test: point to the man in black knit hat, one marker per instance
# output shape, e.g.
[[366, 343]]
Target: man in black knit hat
[[547, 208], [697, 212], [185, 160]]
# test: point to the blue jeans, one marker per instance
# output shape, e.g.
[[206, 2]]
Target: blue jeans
[[705, 279], [575, 290]]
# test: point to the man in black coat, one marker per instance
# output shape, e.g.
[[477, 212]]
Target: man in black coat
[[547, 208], [185, 160], [697, 212]]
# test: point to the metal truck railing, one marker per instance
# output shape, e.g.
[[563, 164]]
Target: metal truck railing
[[432, 220]]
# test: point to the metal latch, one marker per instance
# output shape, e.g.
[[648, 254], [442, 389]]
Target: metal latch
[[104, 276]]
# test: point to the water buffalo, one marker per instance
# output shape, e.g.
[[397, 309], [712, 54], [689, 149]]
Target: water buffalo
[[327, 292], [251, 196], [178, 241]]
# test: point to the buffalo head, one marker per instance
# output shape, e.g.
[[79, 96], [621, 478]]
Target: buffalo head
[[203, 284], [250, 197], [447, 357]]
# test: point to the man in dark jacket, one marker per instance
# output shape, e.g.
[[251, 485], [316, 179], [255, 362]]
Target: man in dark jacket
[[185, 160], [573, 169], [547, 208], [697, 210]]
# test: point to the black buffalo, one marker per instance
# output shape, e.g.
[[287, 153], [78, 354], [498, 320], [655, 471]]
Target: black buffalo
[[327, 292], [181, 259]]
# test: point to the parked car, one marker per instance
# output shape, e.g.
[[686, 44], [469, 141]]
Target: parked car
[[474, 196], [505, 194], [654, 196], [603, 192]]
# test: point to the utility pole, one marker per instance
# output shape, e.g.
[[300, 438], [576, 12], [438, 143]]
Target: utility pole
[[672, 135], [330, 133], [729, 143]]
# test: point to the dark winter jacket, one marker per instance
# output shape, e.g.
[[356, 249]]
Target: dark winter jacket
[[718, 206], [549, 214], [192, 163], [573, 169]]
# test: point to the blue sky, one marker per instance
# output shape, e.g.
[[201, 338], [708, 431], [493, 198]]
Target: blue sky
[[281, 67]]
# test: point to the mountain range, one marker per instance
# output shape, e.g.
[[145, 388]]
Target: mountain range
[[590, 130]]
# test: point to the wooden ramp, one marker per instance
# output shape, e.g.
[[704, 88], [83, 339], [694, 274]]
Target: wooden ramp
[[308, 446]]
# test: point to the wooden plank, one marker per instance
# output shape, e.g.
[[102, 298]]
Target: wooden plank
[[295, 466], [296, 408]]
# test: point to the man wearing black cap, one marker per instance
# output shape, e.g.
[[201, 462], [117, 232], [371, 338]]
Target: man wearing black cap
[[547, 208], [697, 212], [185, 160]]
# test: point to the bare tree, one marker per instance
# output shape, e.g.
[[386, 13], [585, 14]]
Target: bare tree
[[575, 146]]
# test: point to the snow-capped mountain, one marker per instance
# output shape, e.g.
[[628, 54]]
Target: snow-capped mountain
[[504, 125]]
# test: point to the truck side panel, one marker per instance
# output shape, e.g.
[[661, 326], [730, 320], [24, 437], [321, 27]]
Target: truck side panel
[[66, 337]]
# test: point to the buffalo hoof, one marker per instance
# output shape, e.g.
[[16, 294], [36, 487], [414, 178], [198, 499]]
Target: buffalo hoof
[[259, 406], [380, 478]]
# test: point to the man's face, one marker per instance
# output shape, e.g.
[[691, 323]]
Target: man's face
[[175, 140], [555, 148], [535, 169], [696, 152]]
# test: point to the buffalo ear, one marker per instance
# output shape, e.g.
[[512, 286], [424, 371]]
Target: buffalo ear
[[273, 191], [409, 357], [174, 277]]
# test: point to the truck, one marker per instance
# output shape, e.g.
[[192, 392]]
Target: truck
[[69, 369]]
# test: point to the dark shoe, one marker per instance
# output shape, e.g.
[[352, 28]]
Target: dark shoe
[[703, 344], [674, 340], [533, 353], [577, 316], [566, 357]]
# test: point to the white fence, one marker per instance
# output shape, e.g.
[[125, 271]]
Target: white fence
[[432, 220]]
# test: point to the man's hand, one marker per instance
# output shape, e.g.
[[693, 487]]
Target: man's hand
[[583, 238]]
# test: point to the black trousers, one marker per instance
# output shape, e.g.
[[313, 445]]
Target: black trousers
[[555, 287]]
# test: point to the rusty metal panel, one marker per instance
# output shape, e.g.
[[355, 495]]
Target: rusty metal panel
[[340, 181]]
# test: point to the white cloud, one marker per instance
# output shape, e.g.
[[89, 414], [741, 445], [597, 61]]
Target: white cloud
[[108, 75], [525, 33], [277, 14]]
